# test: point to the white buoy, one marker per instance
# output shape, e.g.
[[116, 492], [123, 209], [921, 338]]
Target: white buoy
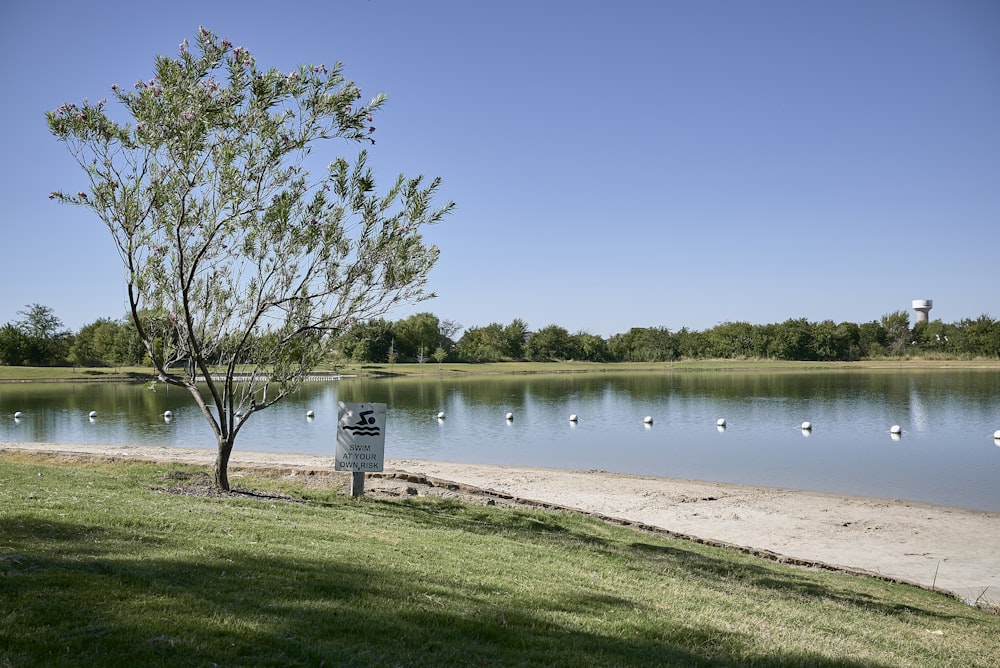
[[510, 416], [18, 415], [996, 434], [806, 426], [168, 414], [721, 422], [310, 414], [648, 419], [93, 414], [441, 415], [895, 429], [573, 418]]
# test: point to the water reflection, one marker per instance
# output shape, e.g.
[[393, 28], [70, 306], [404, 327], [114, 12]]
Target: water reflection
[[942, 453]]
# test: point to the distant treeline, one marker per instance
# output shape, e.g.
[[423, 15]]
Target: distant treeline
[[41, 340]]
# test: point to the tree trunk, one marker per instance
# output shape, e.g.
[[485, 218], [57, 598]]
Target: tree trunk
[[222, 464]]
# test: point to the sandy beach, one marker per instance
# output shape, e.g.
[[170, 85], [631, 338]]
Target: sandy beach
[[949, 549]]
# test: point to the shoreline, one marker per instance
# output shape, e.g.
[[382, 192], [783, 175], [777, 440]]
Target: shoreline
[[951, 550]]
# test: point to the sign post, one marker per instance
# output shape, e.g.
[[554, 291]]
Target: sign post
[[360, 442]]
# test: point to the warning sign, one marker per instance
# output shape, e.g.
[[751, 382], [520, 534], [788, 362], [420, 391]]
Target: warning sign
[[361, 438]]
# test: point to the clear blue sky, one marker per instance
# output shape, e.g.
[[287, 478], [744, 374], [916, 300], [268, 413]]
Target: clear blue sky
[[614, 164]]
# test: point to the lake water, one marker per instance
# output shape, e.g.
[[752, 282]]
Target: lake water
[[945, 455]]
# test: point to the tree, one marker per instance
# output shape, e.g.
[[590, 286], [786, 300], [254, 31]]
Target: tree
[[449, 328], [226, 238], [127, 347], [45, 340], [481, 344], [514, 336], [791, 340], [645, 344], [550, 343], [872, 339], [415, 334], [730, 340], [94, 344], [494, 342], [439, 355], [366, 341], [107, 342], [688, 343], [591, 347], [13, 345], [978, 337], [847, 337], [897, 330], [40, 321]]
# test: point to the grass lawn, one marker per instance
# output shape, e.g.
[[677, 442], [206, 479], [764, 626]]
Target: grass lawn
[[458, 369], [515, 368], [48, 373], [101, 566]]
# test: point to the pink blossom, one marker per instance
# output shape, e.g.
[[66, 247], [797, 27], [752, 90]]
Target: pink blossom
[[82, 195], [371, 129], [52, 195], [114, 87]]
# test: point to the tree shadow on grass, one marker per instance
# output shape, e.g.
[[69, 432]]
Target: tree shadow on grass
[[691, 559], [90, 595], [789, 582]]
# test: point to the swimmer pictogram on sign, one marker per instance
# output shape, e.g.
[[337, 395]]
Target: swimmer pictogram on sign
[[365, 426]]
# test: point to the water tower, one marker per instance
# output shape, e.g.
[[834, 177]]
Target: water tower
[[923, 308]]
